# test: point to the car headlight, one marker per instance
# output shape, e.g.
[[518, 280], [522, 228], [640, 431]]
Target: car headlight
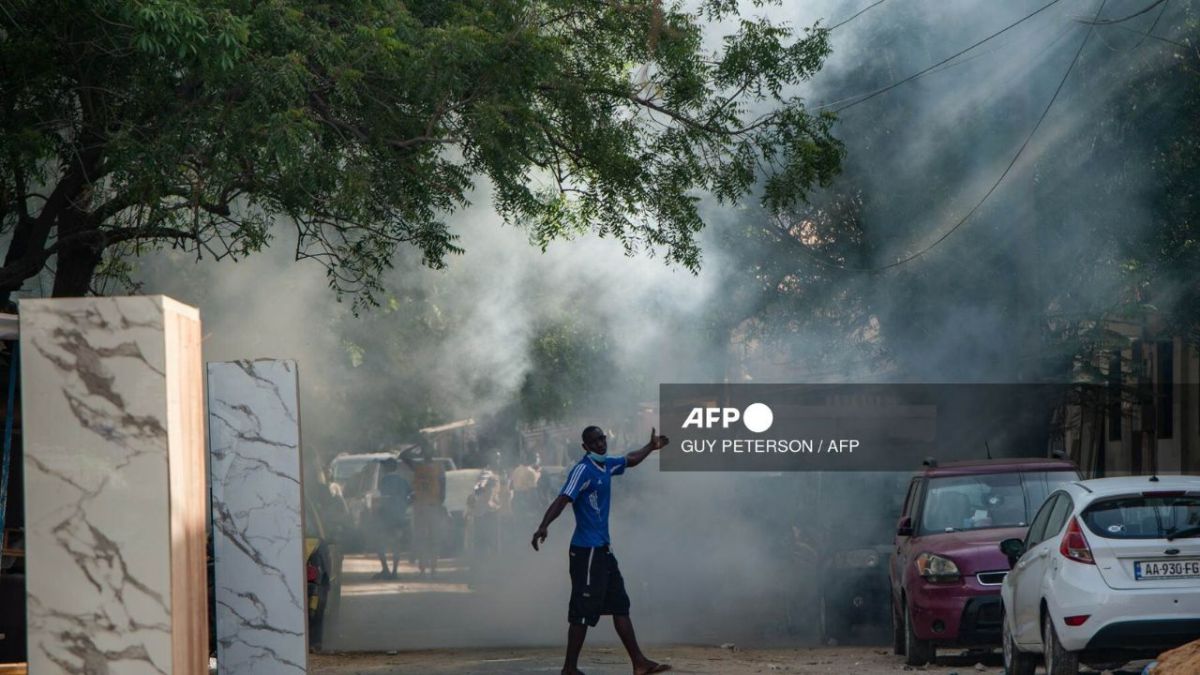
[[936, 568]]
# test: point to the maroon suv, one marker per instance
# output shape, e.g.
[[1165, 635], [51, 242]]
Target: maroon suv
[[947, 567]]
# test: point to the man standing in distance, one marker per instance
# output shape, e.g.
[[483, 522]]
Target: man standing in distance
[[428, 496], [597, 586], [391, 515]]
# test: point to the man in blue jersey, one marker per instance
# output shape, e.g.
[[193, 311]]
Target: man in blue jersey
[[597, 587]]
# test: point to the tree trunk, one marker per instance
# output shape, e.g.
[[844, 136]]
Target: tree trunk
[[74, 271], [26, 250]]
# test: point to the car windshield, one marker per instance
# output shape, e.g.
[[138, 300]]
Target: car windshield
[[347, 467], [954, 503], [1142, 517]]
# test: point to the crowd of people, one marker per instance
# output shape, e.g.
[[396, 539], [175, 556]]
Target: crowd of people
[[412, 513]]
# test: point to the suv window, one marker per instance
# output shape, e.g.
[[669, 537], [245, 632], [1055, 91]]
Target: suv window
[[973, 502], [345, 467], [977, 501], [1142, 517], [1038, 528]]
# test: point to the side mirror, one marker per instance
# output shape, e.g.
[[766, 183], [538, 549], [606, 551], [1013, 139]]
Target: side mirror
[[904, 528], [1012, 549]]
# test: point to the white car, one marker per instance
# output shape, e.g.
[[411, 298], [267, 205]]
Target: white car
[[1109, 572]]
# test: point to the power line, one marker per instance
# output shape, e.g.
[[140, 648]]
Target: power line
[[1157, 37], [1142, 34], [962, 221], [944, 61], [1109, 22], [855, 16], [935, 69], [1152, 26]]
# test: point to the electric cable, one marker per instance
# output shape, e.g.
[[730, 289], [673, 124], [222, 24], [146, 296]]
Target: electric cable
[[910, 78], [1152, 26], [855, 15], [1109, 22], [962, 221]]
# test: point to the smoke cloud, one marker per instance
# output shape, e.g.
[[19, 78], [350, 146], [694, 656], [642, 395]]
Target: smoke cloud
[[717, 558]]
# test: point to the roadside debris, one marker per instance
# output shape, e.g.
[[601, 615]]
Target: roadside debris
[[1179, 661]]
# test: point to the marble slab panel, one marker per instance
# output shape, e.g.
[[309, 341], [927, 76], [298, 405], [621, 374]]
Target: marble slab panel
[[114, 486], [258, 533]]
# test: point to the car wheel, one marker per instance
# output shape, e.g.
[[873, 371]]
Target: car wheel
[[897, 630], [917, 652], [1016, 662], [1059, 661]]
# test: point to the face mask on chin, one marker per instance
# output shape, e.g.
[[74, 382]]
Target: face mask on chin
[[596, 457]]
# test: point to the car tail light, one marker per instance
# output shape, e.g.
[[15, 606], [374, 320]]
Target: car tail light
[[312, 573], [1076, 620], [1074, 545]]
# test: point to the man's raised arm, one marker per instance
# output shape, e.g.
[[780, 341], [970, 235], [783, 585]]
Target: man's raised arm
[[554, 511], [656, 442]]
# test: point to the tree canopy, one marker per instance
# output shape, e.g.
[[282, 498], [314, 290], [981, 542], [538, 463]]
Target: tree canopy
[[134, 124]]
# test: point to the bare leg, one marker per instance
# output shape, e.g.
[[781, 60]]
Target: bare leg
[[641, 664], [575, 635], [421, 525], [435, 543]]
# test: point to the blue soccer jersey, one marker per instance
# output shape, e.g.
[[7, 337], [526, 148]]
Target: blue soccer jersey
[[589, 485]]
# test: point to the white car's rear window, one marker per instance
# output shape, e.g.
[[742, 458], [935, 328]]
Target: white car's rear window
[[1142, 517]]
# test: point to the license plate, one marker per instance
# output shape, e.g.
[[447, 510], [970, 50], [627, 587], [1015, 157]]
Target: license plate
[[1166, 569]]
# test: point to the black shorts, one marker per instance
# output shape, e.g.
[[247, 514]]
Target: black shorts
[[597, 586]]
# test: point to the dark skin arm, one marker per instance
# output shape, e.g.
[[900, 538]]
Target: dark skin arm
[[404, 457], [632, 459], [637, 456], [554, 511]]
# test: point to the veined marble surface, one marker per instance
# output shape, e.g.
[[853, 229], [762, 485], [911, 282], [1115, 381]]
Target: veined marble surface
[[258, 536], [97, 490]]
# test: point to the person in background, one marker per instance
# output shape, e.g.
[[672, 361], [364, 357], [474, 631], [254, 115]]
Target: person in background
[[484, 508], [391, 515], [428, 499], [524, 484]]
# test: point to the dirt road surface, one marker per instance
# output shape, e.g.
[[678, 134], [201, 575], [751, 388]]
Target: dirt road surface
[[608, 660], [387, 626]]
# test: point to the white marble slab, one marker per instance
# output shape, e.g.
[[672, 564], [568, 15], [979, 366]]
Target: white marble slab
[[110, 389], [258, 535]]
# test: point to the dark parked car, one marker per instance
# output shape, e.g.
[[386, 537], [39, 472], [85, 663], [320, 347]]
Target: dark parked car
[[323, 571], [947, 568], [853, 560]]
